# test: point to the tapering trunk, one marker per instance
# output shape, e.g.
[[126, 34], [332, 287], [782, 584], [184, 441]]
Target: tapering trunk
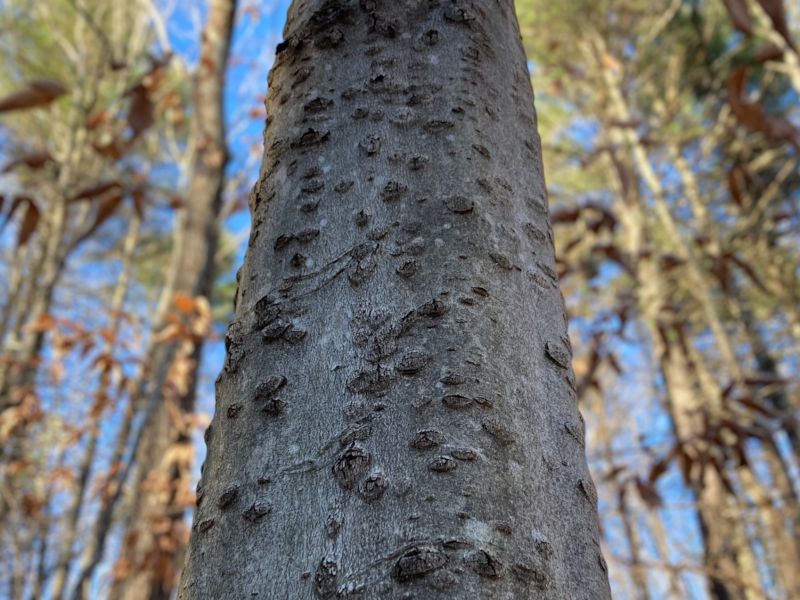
[[677, 589], [730, 566], [94, 426], [730, 562], [638, 572], [153, 548], [397, 414]]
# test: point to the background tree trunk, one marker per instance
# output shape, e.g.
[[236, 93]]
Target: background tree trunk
[[397, 413], [153, 547]]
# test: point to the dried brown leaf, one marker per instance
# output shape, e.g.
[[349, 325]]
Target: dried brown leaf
[[740, 15], [777, 14], [36, 94], [184, 302], [752, 116], [29, 222], [105, 210], [140, 112], [648, 493], [97, 191], [33, 160]]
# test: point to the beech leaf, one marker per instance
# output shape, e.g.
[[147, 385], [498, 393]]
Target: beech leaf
[[740, 15], [29, 222], [106, 208], [777, 14], [97, 190], [36, 94], [34, 160]]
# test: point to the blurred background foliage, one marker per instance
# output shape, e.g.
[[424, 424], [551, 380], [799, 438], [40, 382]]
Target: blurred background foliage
[[671, 139]]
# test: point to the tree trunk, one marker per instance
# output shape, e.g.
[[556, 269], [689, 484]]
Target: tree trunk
[[94, 427], [397, 413], [153, 543], [729, 560]]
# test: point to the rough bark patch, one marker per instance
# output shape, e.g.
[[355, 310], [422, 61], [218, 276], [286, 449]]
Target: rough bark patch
[[418, 562]]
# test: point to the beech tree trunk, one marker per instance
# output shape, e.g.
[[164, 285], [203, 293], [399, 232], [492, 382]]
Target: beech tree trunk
[[397, 413]]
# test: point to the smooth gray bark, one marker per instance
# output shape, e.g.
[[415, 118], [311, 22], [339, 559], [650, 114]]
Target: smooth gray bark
[[397, 417]]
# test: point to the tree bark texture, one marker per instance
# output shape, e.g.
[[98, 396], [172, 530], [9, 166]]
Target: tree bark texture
[[397, 413]]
